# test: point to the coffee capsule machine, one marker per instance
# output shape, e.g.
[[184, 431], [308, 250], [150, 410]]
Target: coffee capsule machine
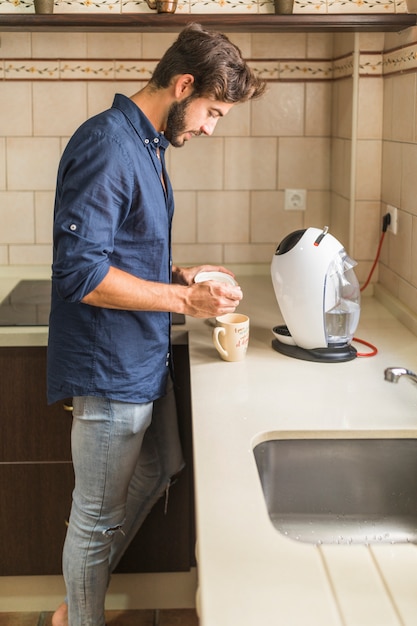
[[318, 295]]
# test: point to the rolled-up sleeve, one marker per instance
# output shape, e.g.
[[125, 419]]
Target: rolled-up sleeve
[[92, 200]]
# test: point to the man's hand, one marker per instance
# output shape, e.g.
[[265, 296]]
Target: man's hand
[[186, 275]]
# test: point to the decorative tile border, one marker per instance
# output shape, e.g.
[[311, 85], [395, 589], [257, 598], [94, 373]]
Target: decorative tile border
[[31, 69], [401, 60], [370, 64], [121, 69]]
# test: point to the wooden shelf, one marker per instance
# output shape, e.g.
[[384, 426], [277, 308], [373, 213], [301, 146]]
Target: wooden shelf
[[163, 22]]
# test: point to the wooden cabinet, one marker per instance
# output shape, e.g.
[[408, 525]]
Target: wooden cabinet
[[36, 476]]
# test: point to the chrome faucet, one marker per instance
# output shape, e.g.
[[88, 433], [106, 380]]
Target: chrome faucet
[[393, 374]]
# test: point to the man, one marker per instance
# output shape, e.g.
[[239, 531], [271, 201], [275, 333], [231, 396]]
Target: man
[[114, 287]]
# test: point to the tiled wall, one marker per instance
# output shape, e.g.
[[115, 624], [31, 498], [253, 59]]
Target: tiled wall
[[305, 133], [229, 187], [398, 269]]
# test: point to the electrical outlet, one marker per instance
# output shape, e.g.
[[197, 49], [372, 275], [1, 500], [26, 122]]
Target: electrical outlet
[[393, 226], [295, 199]]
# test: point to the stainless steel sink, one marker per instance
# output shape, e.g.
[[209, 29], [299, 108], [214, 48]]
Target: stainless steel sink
[[341, 491]]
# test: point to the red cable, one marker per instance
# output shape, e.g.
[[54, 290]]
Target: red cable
[[375, 262], [373, 352]]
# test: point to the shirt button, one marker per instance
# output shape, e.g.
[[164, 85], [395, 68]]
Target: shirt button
[[73, 227], [146, 141], [156, 140]]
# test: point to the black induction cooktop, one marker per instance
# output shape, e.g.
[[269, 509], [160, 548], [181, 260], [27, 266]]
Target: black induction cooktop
[[29, 303]]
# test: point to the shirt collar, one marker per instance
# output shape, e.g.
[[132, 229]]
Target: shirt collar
[[146, 131]]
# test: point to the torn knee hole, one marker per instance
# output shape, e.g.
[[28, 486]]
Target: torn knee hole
[[109, 532]]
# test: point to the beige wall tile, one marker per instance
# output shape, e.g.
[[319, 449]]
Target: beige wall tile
[[32, 163], [4, 255], [343, 43], [30, 255], [249, 253], [51, 100], [304, 163], [400, 245], [280, 112], [198, 254], [408, 178], [371, 41], [198, 165], [342, 108], [281, 46], [389, 279], [370, 107], [388, 108], [15, 45], [155, 44], [251, 163], [243, 41], [404, 104], [368, 169], [2, 163], [317, 213], [59, 45], [318, 109], [269, 222], [15, 109], [367, 230], [339, 219], [17, 217], [100, 95], [404, 37], [319, 46], [408, 293], [236, 122], [44, 211], [223, 217], [184, 226], [414, 252], [114, 45], [391, 172]]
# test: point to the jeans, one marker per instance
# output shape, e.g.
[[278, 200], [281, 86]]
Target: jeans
[[124, 456]]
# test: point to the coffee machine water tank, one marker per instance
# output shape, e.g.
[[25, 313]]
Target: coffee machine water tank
[[316, 289]]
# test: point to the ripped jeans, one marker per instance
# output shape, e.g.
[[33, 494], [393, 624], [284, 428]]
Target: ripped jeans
[[124, 456]]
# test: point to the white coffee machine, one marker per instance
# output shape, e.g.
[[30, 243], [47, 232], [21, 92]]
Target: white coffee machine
[[318, 295]]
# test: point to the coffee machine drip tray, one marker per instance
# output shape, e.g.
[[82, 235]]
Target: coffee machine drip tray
[[29, 304]]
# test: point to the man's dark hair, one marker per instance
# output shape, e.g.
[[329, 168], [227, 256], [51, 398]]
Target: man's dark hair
[[216, 64]]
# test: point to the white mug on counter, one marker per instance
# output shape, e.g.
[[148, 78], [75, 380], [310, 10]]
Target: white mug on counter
[[231, 336]]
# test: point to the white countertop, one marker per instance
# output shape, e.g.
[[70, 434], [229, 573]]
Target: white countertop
[[250, 574]]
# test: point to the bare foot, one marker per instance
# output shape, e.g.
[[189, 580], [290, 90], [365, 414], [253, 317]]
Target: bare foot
[[60, 617]]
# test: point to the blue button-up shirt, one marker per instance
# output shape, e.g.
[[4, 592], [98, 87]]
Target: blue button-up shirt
[[111, 209]]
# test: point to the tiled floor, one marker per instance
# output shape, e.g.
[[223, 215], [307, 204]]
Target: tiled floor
[[166, 617]]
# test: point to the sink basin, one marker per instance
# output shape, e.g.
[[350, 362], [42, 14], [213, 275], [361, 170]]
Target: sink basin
[[341, 491]]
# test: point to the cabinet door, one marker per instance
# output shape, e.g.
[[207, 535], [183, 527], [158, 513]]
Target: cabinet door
[[29, 429], [35, 500], [36, 477]]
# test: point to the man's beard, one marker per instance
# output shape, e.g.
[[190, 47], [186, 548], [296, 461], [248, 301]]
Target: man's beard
[[176, 122]]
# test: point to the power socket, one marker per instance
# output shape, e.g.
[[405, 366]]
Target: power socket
[[295, 200], [393, 225]]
